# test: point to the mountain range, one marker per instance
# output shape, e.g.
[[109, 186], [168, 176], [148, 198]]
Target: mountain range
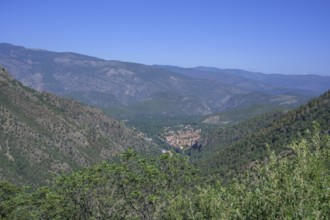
[[129, 90]]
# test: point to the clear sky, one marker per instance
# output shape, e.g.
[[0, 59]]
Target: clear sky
[[271, 36]]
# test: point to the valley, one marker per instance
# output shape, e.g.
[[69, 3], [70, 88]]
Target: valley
[[141, 95], [164, 110], [150, 99], [98, 139]]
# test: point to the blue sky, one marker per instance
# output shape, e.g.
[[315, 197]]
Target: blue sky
[[271, 36]]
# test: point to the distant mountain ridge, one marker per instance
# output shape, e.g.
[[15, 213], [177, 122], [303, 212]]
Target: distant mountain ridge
[[146, 90], [268, 83], [42, 134]]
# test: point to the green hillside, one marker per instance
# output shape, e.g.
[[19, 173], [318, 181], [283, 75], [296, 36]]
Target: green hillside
[[229, 149], [42, 135]]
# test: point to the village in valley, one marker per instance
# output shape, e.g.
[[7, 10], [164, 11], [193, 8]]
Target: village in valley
[[181, 136]]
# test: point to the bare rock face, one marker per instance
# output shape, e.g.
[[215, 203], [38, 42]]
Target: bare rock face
[[214, 120]]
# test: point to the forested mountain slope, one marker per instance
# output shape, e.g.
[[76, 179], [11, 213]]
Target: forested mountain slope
[[231, 149], [42, 134]]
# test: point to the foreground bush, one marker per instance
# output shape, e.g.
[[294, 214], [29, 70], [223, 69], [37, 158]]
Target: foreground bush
[[294, 186]]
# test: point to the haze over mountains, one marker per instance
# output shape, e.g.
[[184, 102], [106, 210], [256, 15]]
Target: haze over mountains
[[140, 90]]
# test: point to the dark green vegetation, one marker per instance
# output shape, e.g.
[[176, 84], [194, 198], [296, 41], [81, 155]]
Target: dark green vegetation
[[295, 187], [166, 187], [226, 150], [134, 187], [42, 135]]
